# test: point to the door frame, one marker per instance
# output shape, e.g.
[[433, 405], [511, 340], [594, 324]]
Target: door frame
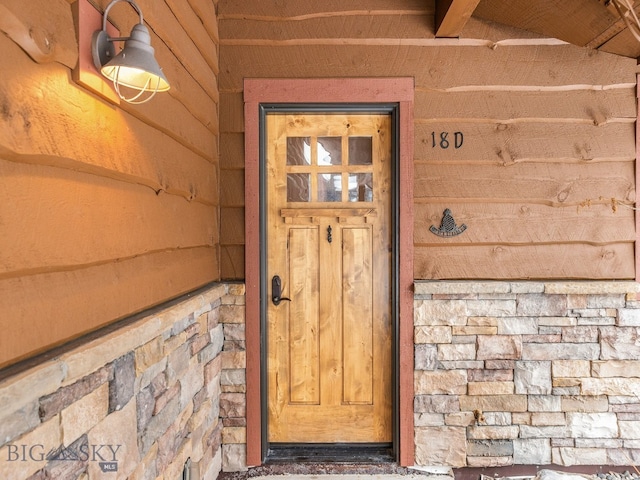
[[260, 94]]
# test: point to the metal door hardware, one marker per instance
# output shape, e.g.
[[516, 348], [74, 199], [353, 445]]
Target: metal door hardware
[[276, 291]]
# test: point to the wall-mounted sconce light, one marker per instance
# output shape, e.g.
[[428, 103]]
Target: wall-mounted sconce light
[[135, 69]]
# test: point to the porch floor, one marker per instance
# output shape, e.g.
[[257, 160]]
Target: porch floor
[[352, 477], [339, 471], [390, 471]]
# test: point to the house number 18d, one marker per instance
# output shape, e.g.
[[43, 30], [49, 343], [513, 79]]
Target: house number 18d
[[445, 140]]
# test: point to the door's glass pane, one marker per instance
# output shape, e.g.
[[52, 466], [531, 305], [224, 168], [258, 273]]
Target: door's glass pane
[[329, 151], [298, 151], [298, 187], [361, 187], [330, 187], [360, 151]]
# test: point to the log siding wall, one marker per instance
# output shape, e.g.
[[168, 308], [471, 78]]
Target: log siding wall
[[105, 210], [545, 175]]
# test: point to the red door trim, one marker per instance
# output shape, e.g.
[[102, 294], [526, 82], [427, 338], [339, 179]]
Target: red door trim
[[638, 184], [330, 90]]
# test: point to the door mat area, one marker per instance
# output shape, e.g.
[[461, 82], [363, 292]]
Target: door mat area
[[337, 471], [389, 471], [345, 477], [371, 454]]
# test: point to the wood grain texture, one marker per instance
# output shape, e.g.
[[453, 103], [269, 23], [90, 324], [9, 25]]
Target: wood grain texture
[[180, 119], [71, 303], [61, 131], [109, 210], [185, 90], [233, 220], [357, 295], [554, 261], [638, 190], [231, 105], [304, 329], [577, 105], [206, 12], [42, 33], [232, 190], [117, 220], [596, 223], [622, 42], [452, 16], [195, 28], [578, 23], [329, 353], [439, 67], [509, 143], [498, 33], [549, 128], [277, 11], [558, 184], [232, 151], [232, 262], [359, 90], [363, 24]]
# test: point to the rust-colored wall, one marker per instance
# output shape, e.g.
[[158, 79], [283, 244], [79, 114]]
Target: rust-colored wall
[[104, 210], [543, 172]]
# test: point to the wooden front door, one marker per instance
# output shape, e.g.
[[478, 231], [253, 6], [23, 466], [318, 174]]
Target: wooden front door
[[328, 273]]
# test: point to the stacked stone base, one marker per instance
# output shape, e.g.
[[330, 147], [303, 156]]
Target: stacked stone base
[[233, 404], [506, 374], [527, 373], [141, 402]]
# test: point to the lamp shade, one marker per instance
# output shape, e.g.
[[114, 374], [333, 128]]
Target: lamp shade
[[135, 66]]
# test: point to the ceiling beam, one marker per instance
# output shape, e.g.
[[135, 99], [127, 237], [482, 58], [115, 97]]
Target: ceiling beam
[[452, 16]]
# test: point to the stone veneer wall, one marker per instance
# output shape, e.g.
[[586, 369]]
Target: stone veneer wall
[[233, 405], [529, 373], [143, 399], [506, 373]]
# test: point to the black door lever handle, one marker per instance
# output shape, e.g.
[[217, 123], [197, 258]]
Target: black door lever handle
[[276, 291]]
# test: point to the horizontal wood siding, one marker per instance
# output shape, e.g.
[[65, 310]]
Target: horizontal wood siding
[[105, 210], [530, 142]]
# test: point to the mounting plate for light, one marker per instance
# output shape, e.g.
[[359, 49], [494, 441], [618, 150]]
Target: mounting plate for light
[[85, 74], [102, 50]]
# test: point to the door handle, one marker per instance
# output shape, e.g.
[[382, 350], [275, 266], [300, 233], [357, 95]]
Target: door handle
[[276, 291]]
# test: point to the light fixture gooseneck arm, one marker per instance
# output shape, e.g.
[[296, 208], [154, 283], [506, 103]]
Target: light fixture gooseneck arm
[[106, 14]]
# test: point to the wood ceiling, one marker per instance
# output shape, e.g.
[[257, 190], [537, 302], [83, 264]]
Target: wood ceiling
[[588, 23]]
